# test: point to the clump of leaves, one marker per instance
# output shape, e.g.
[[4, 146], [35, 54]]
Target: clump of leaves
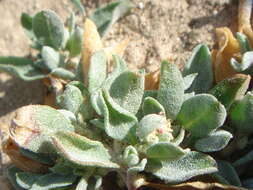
[[131, 130], [57, 46]]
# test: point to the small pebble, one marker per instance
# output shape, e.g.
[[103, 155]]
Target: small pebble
[[141, 5]]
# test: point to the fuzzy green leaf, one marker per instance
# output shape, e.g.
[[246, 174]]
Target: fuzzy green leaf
[[214, 142], [26, 21], [152, 106], [118, 121], [26, 180], [149, 123], [12, 176], [171, 89], [82, 151], [130, 156], [245, 159], [106, 16], [201, 115], [71, 99], [97, 102], [52, 180], [34, 126], [188, 95], [82, 184], [246, 66], [200, 63], [188, 166], [75, 42], [79, 6], [52, 32], [127, 91], [230, 90], [22, 67], [241, 114], [63, 73], [165, 151], [179, 138], [50, 57], [119, 67], [188, 80], [244, 42], [228, 172], [97, 71]]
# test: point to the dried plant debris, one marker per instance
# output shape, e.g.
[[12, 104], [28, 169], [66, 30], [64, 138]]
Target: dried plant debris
[[169, 129]]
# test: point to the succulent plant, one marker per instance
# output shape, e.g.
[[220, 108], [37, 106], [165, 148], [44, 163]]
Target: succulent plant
[[170, 129]]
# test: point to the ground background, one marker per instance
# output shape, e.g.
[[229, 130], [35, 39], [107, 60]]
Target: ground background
[[158, 29]]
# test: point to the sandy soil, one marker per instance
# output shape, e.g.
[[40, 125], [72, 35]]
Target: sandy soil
[[158, 29]]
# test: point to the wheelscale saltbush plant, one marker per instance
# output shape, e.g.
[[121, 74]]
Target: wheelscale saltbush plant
[[124, 129]]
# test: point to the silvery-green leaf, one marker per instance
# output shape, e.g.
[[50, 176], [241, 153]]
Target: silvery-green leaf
[[214, 142], [130, 156], [34, 126], [165, 151], [231, 89], [86, 109], [118, 121], [82, 151], [246, 66], [71, 22], [62, 167], [52, 180], [97, 102], [21, 67], [188, 95], [52, 32], [106, 16], [139, 167], [201, 115], [82, 184], [244, 42], [97, 71], [188, 166], [39, 157], [127, 90], [171, 89], [79, 6], [63, 73], [74, 44], [244, 159], [152, 106], [68, 115], [26, 179], [149, 123], [119, 67], [71, 99], [188, 80], [248, 183], [26, 22], [12, 176], [200, 62], [228, 172], [179, 138], [241, 114], [50, 57]]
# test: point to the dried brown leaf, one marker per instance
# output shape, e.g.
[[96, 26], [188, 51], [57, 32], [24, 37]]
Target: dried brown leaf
[[244, 15], [193, 186], [91, 43], [22, 162], [152, 80], [228, 48]]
